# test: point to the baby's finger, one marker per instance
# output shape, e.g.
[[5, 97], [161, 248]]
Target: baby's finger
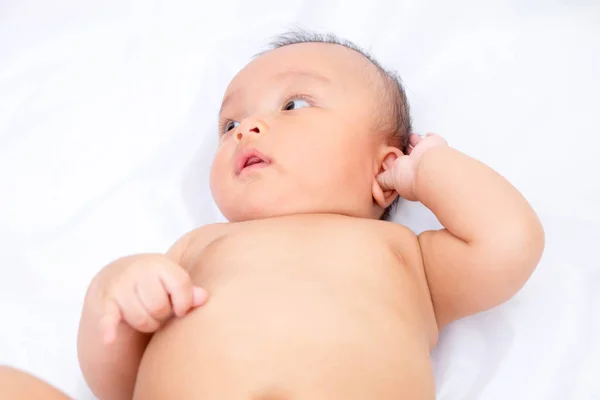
[[154, 298], [199, 296], [414, 139], [110, 321], [386, 180], [136, 315], [178, 284]]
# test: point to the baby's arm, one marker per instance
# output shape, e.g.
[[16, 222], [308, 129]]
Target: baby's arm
[[110, 369], [492, 239]]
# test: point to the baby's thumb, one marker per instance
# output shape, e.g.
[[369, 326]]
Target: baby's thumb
[[199, 296], [386, 180], [109, 322]]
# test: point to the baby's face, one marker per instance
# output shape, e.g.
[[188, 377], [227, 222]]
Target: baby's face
[[296, 135]]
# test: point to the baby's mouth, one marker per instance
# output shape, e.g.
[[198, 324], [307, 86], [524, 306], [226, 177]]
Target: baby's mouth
[[251, 159]]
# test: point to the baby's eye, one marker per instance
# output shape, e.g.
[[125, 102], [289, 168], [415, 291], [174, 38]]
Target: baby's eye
[[295, 104], [230, 125]]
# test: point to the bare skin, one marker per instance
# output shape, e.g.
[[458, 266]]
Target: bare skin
[[316, 323], [18, 385], [306, 294]]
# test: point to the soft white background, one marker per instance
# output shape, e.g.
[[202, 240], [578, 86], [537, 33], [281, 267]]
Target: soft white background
[[108, 122]]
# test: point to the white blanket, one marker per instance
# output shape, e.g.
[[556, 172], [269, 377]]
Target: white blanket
[[108, 122]]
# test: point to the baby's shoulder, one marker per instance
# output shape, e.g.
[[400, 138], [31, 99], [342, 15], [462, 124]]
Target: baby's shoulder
[[396, 233], [197, 239], [402, 240], [204, 235]]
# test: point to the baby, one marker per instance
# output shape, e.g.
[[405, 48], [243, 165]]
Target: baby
[[307, 293]]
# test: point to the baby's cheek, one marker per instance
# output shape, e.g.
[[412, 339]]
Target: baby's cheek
[[217, 174]]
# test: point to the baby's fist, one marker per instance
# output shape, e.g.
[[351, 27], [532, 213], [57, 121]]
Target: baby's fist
[[146, 294], [400, 176]]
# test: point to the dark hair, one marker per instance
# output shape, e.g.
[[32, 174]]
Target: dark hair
[[395, 101]]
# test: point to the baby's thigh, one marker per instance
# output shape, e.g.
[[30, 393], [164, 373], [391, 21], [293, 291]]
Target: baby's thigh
[[18, 385]]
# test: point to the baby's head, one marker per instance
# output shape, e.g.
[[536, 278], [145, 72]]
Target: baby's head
[[306, 127]]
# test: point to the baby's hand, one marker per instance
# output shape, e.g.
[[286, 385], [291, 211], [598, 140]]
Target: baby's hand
[[400, 176], [146, 294]]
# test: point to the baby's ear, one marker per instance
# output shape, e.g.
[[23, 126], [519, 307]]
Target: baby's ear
[[385, 160]]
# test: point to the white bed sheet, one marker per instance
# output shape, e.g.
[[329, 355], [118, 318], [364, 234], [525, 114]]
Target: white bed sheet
[[107, 125]]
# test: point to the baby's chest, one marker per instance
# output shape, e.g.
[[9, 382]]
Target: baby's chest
[[270, 280], [279, 256], [325, 305]]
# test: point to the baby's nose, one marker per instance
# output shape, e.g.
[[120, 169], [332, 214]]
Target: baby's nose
[[253, 130], [251, 127]]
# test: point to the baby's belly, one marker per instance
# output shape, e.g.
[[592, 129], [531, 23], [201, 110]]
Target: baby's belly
[[303, 324]]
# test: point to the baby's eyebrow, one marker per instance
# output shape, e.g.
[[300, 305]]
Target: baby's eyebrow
[[286, 75], [294, 74]]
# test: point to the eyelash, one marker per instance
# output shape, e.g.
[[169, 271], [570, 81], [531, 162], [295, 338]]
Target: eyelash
[[222, 124], [297, 96]]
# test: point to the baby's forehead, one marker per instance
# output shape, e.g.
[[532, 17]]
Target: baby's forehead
[[333, 64]]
